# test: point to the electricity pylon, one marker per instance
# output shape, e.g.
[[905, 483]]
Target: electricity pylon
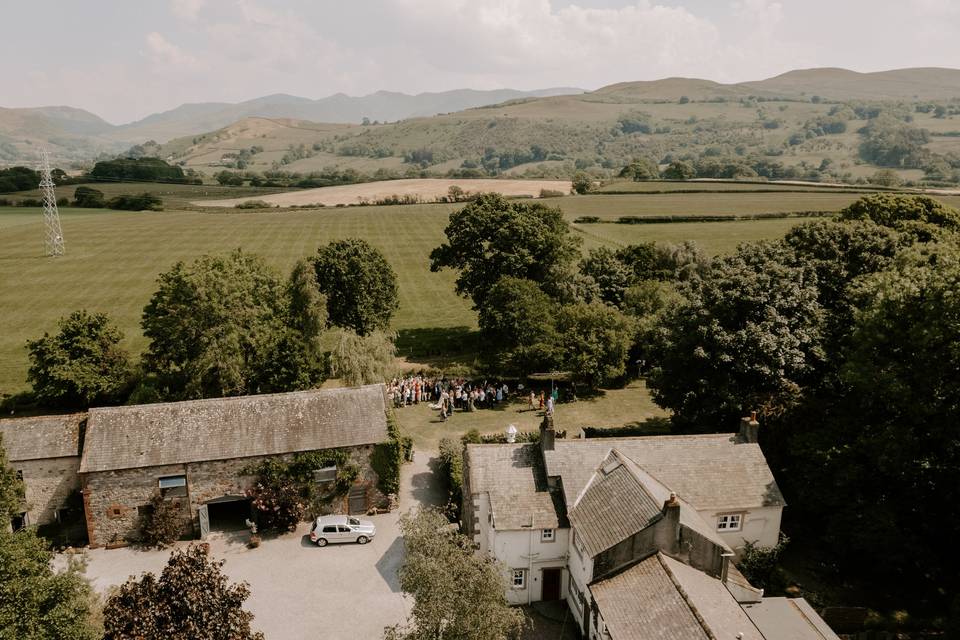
[[53, 238]]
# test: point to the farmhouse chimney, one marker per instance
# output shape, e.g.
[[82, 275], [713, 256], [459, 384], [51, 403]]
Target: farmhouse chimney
[[667, 533], [547, 434], [749, 428]]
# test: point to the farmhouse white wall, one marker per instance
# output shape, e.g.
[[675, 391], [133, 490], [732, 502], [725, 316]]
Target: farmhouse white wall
[[525, 550], [760, 526]]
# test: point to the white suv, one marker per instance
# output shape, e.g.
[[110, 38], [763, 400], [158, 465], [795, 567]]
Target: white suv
[[332, 529]]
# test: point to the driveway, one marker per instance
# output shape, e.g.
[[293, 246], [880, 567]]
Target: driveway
[[299, 591]]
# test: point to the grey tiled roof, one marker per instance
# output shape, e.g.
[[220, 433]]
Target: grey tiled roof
[[511, 476], [614, 506], [789, 619], [225, 428], [661, 598], [619, 503], [708, 471], [42, 436]]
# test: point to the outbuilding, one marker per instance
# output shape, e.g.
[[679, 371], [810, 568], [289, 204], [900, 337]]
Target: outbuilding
[[198, 454]]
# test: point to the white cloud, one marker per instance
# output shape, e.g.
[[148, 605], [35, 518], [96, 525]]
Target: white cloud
[[187, 9], [167, 56]]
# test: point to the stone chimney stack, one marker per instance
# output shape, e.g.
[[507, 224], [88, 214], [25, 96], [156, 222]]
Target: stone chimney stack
[[749, 428], [547, 434], [666, 535]]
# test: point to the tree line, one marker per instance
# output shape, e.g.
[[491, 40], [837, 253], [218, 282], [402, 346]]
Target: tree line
[[227, 325]]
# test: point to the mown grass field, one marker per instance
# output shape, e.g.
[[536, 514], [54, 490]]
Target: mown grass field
[[114, 257]]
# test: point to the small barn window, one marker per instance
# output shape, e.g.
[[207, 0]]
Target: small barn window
[[173, 486], [547, 535], [326, 474]]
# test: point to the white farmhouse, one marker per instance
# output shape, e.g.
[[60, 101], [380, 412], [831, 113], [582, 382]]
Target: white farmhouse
[[636, 534]]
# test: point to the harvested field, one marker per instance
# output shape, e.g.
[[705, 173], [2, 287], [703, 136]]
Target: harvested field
[[424, 189]]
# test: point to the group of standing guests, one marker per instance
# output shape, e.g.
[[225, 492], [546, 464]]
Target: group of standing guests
[[451, 394]]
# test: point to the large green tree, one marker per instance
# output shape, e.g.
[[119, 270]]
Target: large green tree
[[493, 237], [748, 335], [225, 325], [191, 598], [82, 364], [895, 210], [518, 327], [359, 283], [36, 602], [457, 593], [356, 359], [11, 490], [611, 274], [593, 340]]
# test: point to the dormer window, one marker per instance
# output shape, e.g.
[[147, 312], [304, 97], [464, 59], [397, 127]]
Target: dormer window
[[729, 522]]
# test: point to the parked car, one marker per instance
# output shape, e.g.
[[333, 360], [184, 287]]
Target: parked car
[[332, 529]]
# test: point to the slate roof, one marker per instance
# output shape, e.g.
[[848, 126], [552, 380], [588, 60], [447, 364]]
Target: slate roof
[[224, 428], [621, 499], [42, 436], [708, 471], [789, 619], [511, 476], [614, 505], [661, 598]]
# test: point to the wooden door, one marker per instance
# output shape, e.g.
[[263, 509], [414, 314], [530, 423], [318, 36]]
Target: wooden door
[[551, 583], [204, 514], [357, 500]]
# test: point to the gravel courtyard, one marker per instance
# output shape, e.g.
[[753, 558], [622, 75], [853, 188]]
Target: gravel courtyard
[[299, 591]]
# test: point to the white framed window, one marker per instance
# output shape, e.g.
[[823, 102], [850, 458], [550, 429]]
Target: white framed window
[[518, 578], [730, 522], [547, 535]]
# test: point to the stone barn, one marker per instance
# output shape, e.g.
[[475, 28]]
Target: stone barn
[[197, 454], [45, 453]]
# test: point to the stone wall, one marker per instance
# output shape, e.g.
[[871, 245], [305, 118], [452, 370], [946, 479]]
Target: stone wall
[[49, 484], [112, 498]]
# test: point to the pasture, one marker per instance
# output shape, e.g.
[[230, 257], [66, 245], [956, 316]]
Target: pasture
[[114, 257]]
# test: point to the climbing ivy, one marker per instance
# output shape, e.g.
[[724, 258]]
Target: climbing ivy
[[388, 456]]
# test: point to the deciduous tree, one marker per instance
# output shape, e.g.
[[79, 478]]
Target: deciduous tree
[[457, 593], [359, 283], [493, 237], [357, 359], [82, 364], [191, 598]]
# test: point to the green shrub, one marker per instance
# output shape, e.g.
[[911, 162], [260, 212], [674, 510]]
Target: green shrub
[[451, 469], [137, 202], [162, 523], [587, 220], [760, 565], [551, 193], [253, 204]]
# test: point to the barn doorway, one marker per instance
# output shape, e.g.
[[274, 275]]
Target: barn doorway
[[229, 513]]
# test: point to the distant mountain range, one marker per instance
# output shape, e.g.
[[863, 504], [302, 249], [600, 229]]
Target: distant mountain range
[[74, 134]]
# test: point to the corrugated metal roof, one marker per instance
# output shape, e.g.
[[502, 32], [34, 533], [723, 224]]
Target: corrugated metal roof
[[510, 475], [42, 436], [708, 471], [224, 428], [661, 598]]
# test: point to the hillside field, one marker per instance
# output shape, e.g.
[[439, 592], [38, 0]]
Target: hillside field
[[425, 189], [113, 259]]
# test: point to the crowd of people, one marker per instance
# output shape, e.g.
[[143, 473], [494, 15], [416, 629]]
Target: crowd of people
[[448, 395]]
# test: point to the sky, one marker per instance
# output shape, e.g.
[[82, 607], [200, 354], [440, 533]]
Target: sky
[[126, 59]]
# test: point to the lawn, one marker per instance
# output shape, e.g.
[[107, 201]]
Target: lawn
[[629, 406]]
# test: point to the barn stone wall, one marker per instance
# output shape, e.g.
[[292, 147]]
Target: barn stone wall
[[112, 498], [49, 483]]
